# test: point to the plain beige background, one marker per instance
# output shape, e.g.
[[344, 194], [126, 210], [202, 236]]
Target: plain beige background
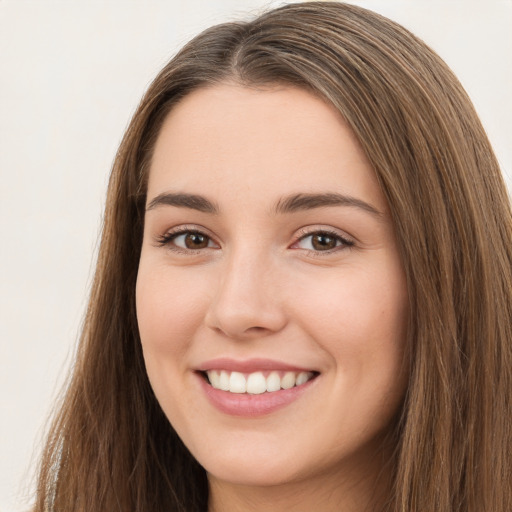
[[71, 74]]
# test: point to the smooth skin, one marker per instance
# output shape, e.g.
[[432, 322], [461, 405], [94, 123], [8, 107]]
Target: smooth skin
[[256, 267]]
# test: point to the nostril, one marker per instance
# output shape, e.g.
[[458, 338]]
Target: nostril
[[256, 329]]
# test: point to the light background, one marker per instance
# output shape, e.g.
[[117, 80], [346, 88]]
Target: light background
[[71, 75]]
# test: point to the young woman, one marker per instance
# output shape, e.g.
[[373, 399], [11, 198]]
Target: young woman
[[303, 297]]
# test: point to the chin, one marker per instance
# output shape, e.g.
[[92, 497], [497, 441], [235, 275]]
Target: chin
[[250, 474], [265, 465]]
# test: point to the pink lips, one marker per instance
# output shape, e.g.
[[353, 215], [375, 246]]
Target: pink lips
[[248, 366], [247, 405]]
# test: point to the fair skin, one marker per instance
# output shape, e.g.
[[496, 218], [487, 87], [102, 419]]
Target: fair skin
[[269, 249]]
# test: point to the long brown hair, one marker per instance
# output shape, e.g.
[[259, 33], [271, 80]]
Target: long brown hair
[[111, 447]]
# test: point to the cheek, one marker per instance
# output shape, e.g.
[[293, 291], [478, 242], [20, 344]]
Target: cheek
[[355, 306], [360, 319], [170, 311], [170, 306]]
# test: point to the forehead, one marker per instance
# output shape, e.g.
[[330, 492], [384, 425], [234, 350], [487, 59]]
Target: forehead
[[227, 138]]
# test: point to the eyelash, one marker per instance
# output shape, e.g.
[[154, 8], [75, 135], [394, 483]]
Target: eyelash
[[341, 241], [168, 238]]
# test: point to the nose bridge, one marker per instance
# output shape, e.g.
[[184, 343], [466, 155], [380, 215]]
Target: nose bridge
[[246, 301]]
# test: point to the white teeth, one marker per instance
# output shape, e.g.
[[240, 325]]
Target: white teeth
[[255, 383], [273, 382], [237, 383], [223, 381], [302, 378], [214, 379], [288, 381]]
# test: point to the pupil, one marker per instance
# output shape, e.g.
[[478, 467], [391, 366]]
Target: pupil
[[196, 241], [323, 242]]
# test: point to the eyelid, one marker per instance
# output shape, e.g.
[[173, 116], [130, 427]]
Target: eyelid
[[346, 241], [165, 239]]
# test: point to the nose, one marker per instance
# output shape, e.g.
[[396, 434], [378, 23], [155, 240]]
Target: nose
[[246, 303]]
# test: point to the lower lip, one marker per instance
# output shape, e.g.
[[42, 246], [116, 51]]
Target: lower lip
[[247, 405]]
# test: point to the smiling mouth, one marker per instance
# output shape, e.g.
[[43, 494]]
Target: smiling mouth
[[256, 383]]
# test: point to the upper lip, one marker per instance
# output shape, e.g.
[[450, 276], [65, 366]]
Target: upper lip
[[249, 365]]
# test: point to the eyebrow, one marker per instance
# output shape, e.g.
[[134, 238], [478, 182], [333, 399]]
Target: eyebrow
[[299, 202], [288, 204], [192, 201]]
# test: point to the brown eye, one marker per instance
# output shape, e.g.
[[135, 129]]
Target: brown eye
[[194, 240], [187, 241], [323, 241]]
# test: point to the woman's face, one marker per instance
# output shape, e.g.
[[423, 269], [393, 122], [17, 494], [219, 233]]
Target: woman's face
[[271, 299]]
